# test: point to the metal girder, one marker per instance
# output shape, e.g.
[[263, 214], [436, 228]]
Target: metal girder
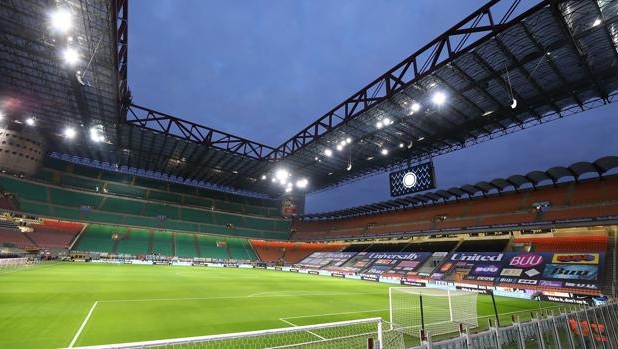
[[122, 49], [152, 120], [437, 53]]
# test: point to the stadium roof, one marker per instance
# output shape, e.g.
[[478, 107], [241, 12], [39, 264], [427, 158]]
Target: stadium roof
[[532, 179], [507, 66]]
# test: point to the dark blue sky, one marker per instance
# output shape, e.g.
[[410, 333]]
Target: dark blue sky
[[263, 70]]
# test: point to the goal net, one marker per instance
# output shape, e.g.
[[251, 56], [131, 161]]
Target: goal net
[[435, 310], [357, 334]]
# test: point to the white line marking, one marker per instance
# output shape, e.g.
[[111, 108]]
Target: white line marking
[[329, 314], [304, 294], [313, 333], [83, 324], [287, 322]]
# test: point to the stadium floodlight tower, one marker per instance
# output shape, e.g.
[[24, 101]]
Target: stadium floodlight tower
[[439, 311]]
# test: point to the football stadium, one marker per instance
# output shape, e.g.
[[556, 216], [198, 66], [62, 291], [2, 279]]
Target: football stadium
[[122, 226]]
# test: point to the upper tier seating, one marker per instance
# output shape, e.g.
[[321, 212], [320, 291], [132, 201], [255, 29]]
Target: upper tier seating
[[567, 201]]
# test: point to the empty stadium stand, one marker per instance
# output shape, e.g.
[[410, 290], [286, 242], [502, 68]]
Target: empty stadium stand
[[103, 207], [569, 204]]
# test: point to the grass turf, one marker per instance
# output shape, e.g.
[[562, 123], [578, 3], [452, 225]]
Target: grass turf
[[44, 306]]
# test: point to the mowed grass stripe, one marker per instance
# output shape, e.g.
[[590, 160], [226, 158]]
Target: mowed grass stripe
[[44, 307]]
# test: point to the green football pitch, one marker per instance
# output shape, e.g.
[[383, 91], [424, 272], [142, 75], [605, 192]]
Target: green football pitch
[[56, 305]]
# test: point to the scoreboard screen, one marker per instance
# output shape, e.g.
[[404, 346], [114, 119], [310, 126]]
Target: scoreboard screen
[[412, 180]]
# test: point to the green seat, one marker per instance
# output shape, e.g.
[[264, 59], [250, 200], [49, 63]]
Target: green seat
[[95, 238], [199, 201], [83, 171], [195, 215], [181, 225], [115, 177], [71, 213], [24, 189], [80, 182], [225, 218], [125, 189], [35, 208], [46, 175], [138, 221], [208, 245], [103, 217], [164, 196], [149, 183], [162, 243], [249, 233], [152, 209], [215, 229], [240, 249], [72, 198], [185, 245], [126, 206], [134, 242], [283, 225], [259, 224]]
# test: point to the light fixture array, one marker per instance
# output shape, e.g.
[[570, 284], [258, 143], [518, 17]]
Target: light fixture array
[[60, 25], [286, 180]]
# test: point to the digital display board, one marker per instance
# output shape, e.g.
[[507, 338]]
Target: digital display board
[[546, 269], [412, 180]]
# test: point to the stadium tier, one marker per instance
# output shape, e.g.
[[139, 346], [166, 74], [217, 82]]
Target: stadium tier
[[187, 245], [100, 206], [564, 204], [96, 238], [90, 179]]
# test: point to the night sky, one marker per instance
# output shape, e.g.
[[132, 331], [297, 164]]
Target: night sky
[[263, 70]]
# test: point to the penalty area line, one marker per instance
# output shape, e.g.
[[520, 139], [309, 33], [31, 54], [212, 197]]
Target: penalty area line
[[293, 325], [81, 328]]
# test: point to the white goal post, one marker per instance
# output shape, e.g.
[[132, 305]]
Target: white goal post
[[439, 311], [365, 333]]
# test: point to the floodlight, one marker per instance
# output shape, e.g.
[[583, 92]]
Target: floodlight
[[273, 179], [415, 107], [596, 22], [438, 98], [379, 124], [384, 151], [70, 56], [288, 189], [328, 152], [302, 183], [69, 132], [339, 147], [96, 134], [400, 145], [282, 174], [387, 121], [30, 121], [348, 140], [263, 177], [61, 20]]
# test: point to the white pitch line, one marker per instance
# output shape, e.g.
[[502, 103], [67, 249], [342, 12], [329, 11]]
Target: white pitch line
[[313, 333], [232, 297], [83, 325], [329, 314]]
